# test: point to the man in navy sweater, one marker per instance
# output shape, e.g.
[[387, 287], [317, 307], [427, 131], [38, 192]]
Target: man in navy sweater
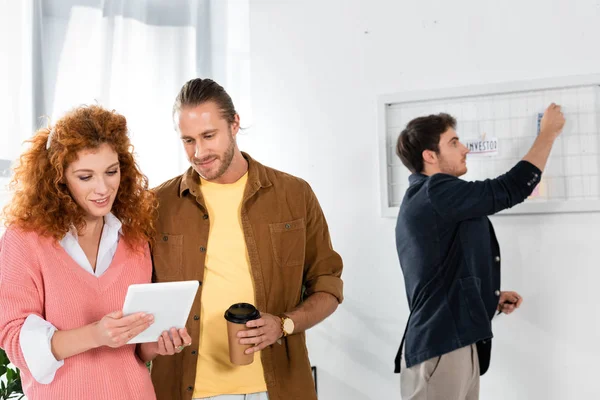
[[450, 257]]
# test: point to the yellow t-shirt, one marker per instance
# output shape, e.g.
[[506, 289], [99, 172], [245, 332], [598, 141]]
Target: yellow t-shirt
[[227, 280]]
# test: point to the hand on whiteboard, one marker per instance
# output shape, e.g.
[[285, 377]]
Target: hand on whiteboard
[[552, 122], [114, 330], [509, 302]]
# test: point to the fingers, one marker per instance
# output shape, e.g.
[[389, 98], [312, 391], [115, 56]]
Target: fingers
[[170, 349], [173, 341], [553, 110], [251, 333], [262, 344], [142, 322], [256, 348], [559, 114], [131, 320], [505, 308], [262, 333], [553, 107], [133, 332], [162, 348], [120, 336], [513, 297], [508, 309], [509, 302], [255, 339], [177, 341], [519, 301], [187, 339], [256, 323], [135, 328]]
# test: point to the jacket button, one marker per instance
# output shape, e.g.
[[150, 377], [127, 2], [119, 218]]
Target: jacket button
[[287, 226], [165, 238], [190, 388], [202, 249], [497, 293], [497, 258], [194, 352], [196, 317], [205, 216]]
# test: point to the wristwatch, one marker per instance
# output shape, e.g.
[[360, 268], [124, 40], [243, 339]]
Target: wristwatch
[[287, 325]]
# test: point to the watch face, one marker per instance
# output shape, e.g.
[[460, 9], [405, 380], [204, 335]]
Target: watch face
[[288, 325]]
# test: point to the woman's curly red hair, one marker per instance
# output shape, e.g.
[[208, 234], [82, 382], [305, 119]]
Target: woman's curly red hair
[[41, 201]]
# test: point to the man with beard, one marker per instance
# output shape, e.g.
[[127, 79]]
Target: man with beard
[[248, 234], [450, 256]]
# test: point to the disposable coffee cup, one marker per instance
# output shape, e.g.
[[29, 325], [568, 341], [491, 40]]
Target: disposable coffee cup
[[237, 315]]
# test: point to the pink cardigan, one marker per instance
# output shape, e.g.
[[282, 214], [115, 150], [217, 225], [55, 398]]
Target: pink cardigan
[[38, 277]]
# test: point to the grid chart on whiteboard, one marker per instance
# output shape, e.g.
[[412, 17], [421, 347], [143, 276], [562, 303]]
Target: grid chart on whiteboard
[[573, 169]]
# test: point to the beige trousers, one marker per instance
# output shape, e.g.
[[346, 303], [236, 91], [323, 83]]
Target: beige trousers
[[452, 376]]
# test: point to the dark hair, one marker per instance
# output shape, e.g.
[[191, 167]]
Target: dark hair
[[197, 91], [422, 133]]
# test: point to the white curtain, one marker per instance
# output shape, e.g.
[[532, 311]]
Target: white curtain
[[127, 55], [16, 63]]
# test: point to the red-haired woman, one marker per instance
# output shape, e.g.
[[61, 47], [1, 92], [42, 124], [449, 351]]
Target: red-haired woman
[[78, 228]]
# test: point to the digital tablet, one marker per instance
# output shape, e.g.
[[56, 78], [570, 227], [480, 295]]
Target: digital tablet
[[169, 302]]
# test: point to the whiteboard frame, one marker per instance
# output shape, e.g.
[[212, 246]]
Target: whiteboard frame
[[546, 207]]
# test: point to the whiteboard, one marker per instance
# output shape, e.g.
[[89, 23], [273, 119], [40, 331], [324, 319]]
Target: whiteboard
[[507, 114]]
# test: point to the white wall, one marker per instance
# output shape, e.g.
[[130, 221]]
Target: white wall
[[317, 68]]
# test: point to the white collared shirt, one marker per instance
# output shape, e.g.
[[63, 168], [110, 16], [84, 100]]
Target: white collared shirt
[[36, 333], [108, 246]]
